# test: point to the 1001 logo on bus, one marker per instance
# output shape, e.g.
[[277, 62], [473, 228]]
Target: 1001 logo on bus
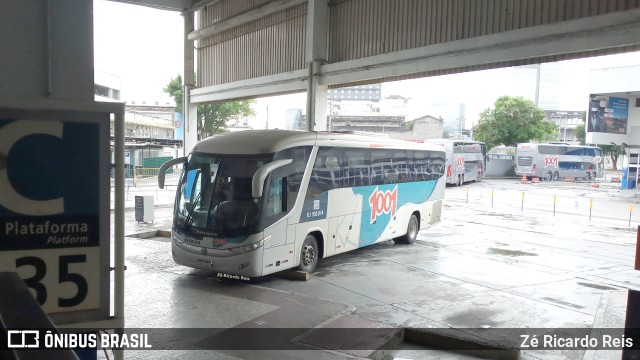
[[551, 161], [383, 202]]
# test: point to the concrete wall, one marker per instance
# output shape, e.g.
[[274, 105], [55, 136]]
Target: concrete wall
[[46, 49], [499, 167]]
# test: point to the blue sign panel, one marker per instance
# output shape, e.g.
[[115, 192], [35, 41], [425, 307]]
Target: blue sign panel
[[51, 204], [315, 208], [38, 210]]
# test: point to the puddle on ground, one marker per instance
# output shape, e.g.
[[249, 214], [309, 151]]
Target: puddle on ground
[[473, 318], [599, 287], [560, 302], [497, 251], [505, 216]]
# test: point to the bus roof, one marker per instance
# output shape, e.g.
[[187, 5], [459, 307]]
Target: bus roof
[[557, 144], [271, 141], [446, 141]]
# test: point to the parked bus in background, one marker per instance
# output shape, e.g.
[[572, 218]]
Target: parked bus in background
[[555, 161], [465, 160], [252, 203]]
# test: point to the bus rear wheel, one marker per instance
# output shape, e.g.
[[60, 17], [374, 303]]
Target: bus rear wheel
[[309, 254], [556, 176], [412, 231], [549, 176]]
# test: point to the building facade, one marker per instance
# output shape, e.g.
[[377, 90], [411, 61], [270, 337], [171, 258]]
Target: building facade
[[567, 122]]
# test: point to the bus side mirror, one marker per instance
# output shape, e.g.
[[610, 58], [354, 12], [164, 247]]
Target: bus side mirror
[[167, 165], [260, 176]]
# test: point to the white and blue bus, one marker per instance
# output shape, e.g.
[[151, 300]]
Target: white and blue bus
[[465, 160], [256, 202], [556, 161]]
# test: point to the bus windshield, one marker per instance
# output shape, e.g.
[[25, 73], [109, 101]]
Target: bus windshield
[[214, 196]]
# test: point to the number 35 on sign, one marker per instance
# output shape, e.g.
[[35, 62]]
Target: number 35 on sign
[[59, 279]]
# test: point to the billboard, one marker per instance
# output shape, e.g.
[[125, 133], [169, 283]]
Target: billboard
[[608, 114]]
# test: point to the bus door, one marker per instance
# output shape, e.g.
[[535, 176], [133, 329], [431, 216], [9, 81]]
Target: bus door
[[458, 161], [281, 191], [279, 250]]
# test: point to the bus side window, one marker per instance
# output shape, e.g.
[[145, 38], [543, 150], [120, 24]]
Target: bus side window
[[410, 169], [438, 164], [357, 168], [380, 167], [293, 172], [400, 166], [420, 166], [276, 197], [334, 172]]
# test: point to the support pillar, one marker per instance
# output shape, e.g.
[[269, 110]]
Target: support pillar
[[316, 54], [316, 100], [190, 111]]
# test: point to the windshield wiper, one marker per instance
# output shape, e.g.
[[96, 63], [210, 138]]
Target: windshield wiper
[[189, 219]]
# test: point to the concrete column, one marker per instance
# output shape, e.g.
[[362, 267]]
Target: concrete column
[[52, 57], [316, 101], [191, 127], [316, 54], [190, 111]]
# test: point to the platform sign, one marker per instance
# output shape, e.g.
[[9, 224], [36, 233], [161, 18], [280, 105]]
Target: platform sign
[[54, 206]]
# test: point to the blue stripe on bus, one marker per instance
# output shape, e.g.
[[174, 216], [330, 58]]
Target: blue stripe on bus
[[407, 193]]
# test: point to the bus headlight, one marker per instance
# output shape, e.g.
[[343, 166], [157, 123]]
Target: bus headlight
[[250, 247]]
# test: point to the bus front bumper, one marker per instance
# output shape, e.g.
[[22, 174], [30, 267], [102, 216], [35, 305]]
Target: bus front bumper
[[248, 264]]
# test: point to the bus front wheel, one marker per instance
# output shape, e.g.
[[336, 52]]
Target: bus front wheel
[[412, 231], [556, 176], [309, 254], [549, 176]]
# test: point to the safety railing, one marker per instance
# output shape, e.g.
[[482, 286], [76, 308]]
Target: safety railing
[[592, 206], [146, 177]]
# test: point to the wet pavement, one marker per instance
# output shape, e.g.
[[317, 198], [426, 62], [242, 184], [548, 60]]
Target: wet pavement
[[501, 266]]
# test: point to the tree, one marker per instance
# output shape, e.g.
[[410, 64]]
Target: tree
[[581, 134], [213, 118], [613, 151], [174, 89], [513, 120]]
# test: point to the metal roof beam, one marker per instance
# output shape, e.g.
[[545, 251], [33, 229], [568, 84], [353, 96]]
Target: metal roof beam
[[172, 5], [611, 30], [243, 18], [295, 81]]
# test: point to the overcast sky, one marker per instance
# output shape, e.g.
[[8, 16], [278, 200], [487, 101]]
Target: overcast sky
[[143, 47], [140, 45]]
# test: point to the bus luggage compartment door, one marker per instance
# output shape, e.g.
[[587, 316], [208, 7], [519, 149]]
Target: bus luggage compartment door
[[344, 232]]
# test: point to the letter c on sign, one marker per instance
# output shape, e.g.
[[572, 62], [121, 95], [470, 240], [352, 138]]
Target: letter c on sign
[[10, 198]]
